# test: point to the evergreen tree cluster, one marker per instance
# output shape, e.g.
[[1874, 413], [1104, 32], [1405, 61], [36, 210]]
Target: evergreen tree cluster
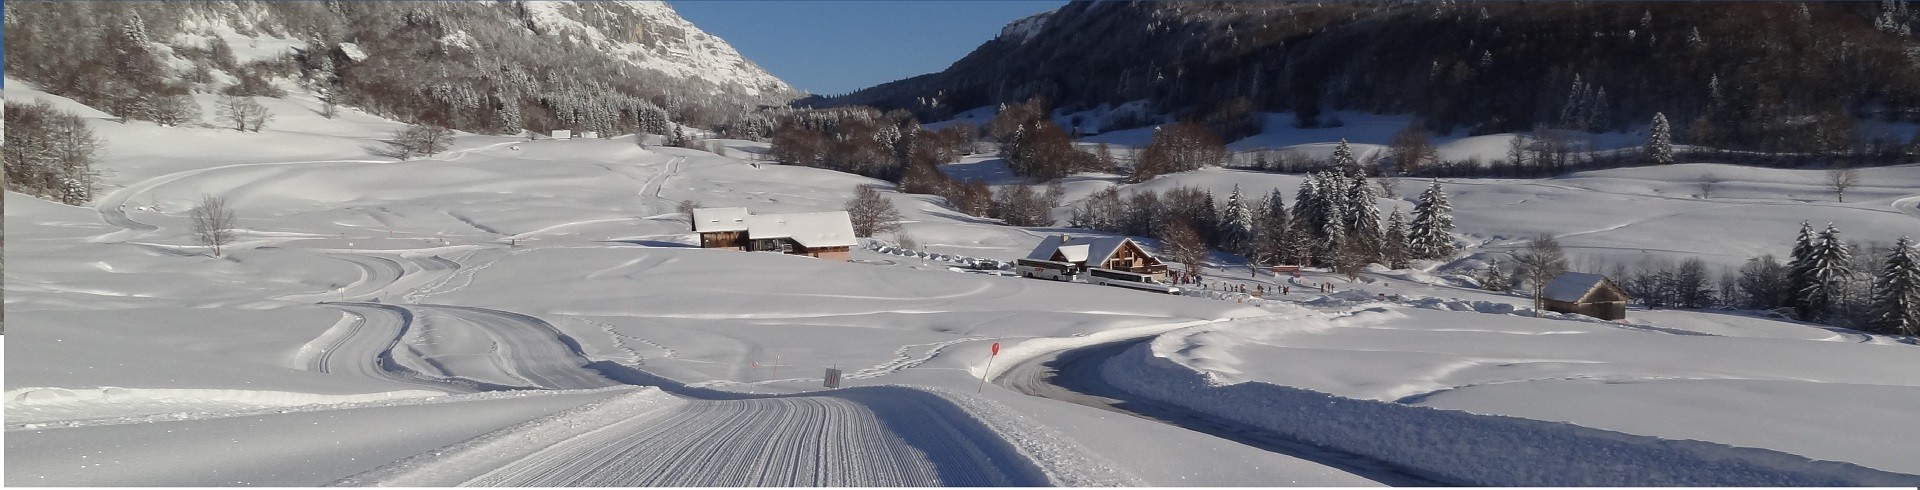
[[1334, 222], [1754, 76]]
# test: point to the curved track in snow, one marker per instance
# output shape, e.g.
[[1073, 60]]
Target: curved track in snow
[[1073, 376], [1908, 205], [788, 441], [523, 351]]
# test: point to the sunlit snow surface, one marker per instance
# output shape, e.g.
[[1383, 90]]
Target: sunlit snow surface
[[431, 322]]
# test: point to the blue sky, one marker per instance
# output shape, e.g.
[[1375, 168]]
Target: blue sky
[[834, 47]]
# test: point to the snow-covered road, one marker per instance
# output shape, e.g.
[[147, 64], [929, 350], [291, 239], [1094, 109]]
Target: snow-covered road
[[1073, 376]]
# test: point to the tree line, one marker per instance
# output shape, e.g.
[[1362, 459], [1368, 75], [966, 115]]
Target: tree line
[[1871, 287]]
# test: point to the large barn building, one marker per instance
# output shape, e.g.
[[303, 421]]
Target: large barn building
[[1587, 294], [826, 235], [1117, 253]]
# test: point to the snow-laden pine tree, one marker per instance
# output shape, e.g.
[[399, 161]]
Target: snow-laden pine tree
[[1333, 208], [1343, 159], [1495, 279], [1237, 224], [1307, 208], [1363, 219], [1896, 300], [1431, 237], [1797, 277], [1660, 141], [1394, 249], [1828, 263], [1272, 235]]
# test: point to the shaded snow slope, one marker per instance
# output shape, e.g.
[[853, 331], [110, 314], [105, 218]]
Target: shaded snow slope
[[1838, 401]]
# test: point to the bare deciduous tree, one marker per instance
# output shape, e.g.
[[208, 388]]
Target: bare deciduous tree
[[1840, 179], [1181, 242], [242, 112], [871, 212], [1540, 262], [687, 206], [420, 140], [1707, 183], [212, 223]]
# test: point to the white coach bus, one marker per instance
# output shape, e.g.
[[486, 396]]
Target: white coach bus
[[1130, 280], [1045, 269]]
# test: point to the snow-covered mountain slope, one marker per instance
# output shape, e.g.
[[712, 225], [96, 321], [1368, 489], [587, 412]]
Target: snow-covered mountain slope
[[649, 34]]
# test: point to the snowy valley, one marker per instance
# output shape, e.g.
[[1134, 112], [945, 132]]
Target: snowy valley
[[515, 309]]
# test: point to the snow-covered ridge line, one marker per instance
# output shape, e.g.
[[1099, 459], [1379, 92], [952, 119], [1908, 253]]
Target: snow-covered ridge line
[[1479, 449]]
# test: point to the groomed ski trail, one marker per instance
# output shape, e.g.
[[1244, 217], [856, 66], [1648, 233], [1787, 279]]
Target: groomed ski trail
[[649, 438]]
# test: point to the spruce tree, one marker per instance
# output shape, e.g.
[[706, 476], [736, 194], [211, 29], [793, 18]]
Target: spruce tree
[[1332, 220], [1495, 279], [1307, 205], [1896, 299], [1343, 159], [1394, 250], [1363, 219], [1828, 263], [1432, 235], [1660, 141], [1802, 255], [1237, 225]]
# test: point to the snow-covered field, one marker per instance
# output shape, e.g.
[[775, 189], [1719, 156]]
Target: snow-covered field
[[521, 312]]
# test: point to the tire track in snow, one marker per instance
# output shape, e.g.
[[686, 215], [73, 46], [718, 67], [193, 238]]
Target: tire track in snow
[[362, 345], [526, 351], [465, 274], [620, 340], [901, 361]]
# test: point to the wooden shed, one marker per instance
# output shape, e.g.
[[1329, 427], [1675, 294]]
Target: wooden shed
[[1587, 294], [1117, 253]]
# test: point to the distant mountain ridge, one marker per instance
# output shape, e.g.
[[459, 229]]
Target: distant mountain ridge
[[492, 66], [1763, 70]]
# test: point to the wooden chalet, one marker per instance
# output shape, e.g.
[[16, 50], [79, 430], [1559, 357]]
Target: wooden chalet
[[827, 235], [1587, 294], [1117, 253]]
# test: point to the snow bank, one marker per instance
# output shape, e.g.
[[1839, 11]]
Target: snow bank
[[1480, 449], [39, 404]]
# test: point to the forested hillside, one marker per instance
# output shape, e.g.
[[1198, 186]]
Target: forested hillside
[[1768, 76]]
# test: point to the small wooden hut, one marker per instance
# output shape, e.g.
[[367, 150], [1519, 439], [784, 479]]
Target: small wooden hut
[[1587, 294]]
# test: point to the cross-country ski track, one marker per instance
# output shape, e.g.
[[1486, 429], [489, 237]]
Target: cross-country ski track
[[857, 437], [647, 438]]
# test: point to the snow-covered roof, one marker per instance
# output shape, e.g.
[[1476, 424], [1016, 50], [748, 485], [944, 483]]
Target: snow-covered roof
[[1090, 250], [811, 230], [707, 220], [353, 52], [1571, 286]]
